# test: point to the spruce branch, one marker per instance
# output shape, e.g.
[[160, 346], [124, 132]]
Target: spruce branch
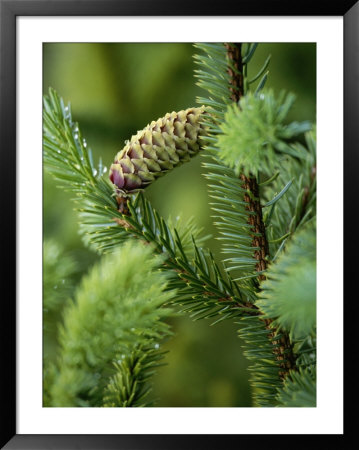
[[69, 159], [58, 278], [58, 286], [282, 345], [299, 389], [255, 136], [288, 295], [117, 316], [129, 385], [245, 140], [237, 198], [109, 217], [250, 184], [202, 289], [297, 206]]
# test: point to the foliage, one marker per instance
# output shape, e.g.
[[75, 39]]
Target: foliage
[[288, 295], [262, 183], [265, 370], [299, 390], [295, 186], [250, 139], [58, 286], [57, 277], [224, 187], [254, 133], [129, 385], [67, 158], [100, 219], [118, 313]]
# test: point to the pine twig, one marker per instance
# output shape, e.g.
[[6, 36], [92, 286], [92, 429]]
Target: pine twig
[[282, 346]]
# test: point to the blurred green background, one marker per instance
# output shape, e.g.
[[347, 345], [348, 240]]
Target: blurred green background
[[115, 89]]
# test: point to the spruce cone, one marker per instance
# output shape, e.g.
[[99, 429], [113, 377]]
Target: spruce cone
[[162, 145]]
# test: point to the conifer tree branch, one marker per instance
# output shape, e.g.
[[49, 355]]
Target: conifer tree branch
[[251, 138], [202, 288], [282, 346], [235, 71], [111, 214], [109, 340]]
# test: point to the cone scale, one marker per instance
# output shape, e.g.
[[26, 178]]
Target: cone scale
[[159, 147]]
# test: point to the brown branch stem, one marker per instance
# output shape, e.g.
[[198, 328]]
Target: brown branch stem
[[282, 347], [184, 275]]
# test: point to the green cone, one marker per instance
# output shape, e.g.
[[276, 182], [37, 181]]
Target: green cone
[[162, 145]]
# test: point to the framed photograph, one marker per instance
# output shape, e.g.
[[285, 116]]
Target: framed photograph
[[166, 179]]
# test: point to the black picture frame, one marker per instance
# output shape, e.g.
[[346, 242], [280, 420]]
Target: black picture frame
[[9, 10]]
